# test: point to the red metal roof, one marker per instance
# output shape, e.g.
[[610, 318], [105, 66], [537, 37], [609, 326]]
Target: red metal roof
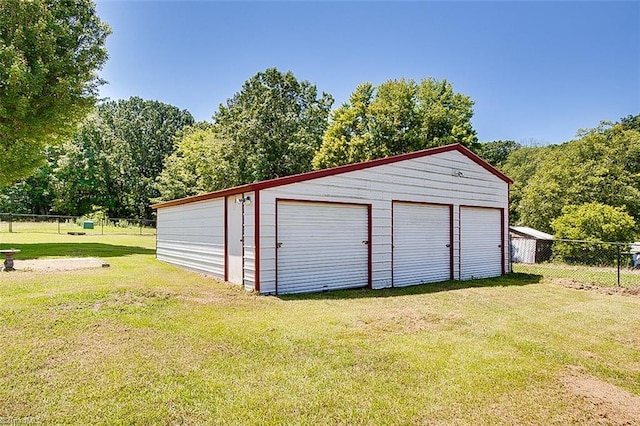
[[336, 171]]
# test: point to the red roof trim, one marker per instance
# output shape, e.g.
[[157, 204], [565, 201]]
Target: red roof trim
[[335, 171]]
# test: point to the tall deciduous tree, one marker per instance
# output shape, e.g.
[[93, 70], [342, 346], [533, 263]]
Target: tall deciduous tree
[[50, 52], [276, 125], [32, 195], [144, 134], [496, 153], [396, 117], [521, 165], [591, 222], [114, 159], [89, 173], [603, 166], [631, 122], [202, 162]]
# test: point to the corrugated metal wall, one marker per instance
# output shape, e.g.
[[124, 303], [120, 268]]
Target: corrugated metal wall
[[234, 240], [523, 250], [421, 243], [321, 246], [192, 236], [248, 239]]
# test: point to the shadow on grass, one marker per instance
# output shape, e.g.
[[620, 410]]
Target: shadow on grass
[[513, 279], [34, 251]]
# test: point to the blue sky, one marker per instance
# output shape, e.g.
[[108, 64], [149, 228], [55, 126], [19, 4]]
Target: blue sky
[[537, 71]]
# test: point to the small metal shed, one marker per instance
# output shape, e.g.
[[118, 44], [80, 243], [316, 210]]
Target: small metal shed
[[529, 245], [421, 217]]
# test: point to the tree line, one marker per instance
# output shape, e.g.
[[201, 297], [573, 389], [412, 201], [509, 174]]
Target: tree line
[[586, 189], [128, 154]]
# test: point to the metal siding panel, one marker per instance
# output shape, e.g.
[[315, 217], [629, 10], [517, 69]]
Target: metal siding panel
[[267, 237], [192, 236], [421, 243], [523, 250], [480, 243], [235, 243], [249, 258], [321, 247]]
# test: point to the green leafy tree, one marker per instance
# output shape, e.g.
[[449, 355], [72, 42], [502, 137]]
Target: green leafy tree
[[112, 162], [144, 134], [275, 125], [497, 153], [396, 117], [521, 165], [603, 165], [202, 162], [32, 195], [593, 222], [88, 174], [631, 122], [50, 52], [15, 199]]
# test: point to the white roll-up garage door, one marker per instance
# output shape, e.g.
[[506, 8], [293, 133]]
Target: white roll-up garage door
[[321, 246], [421, 243], [481, 252]]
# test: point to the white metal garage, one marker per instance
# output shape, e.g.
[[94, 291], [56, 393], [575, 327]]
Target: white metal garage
[[421, 217]]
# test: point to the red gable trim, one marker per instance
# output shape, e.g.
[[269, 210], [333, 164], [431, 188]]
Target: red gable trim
[[335, 171]]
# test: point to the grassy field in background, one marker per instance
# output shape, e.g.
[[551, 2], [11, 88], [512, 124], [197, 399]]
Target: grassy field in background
[[64, 226], [143, 342]]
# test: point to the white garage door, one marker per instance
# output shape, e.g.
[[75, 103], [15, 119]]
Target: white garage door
[[421, 243], [481, 252], [321, 246]]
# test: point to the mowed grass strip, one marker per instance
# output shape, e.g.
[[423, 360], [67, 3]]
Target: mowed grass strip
[[143, 342]]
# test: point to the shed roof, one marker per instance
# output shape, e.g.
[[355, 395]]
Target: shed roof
[[525, 231], [336, 171]]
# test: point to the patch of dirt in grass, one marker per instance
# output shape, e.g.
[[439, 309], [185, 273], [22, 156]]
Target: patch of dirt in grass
[[131, 299], [58, 265], [607, 403], [407, 321], [625, 291]]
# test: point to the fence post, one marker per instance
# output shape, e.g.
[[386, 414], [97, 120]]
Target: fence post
[[102, 222], [10, 222], [618, 246], [58, 225], [140, 226]]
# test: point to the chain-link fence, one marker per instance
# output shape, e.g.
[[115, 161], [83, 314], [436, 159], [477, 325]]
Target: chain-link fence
[[587, 262], [75, 225]]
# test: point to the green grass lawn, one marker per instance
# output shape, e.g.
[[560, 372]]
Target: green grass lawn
[[143, 342], [604, 276]]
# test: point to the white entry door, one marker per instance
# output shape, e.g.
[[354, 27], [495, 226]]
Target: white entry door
[[321, 246], [421, 243], [481, 243], [235, 237]]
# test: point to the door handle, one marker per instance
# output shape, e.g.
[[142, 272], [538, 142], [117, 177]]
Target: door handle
[[365, 243], [278, 245]]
